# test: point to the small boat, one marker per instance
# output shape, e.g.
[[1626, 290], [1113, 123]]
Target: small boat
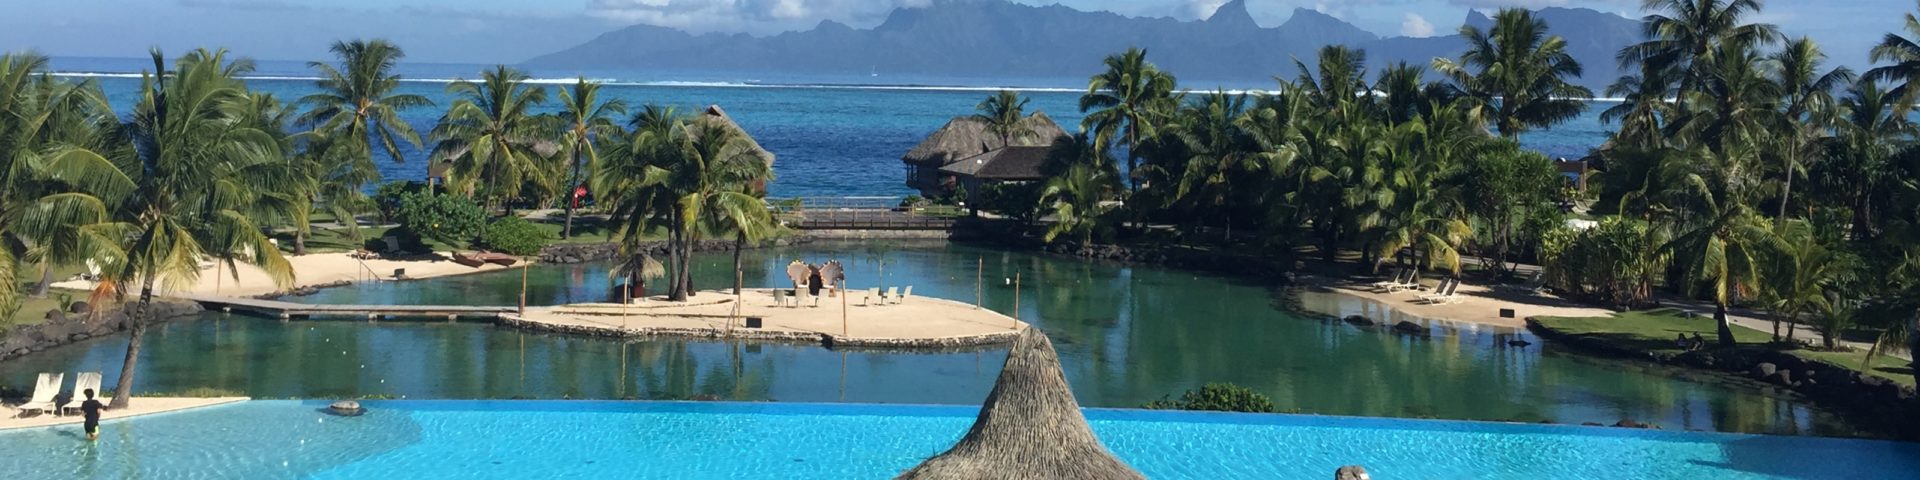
[[470, 260]]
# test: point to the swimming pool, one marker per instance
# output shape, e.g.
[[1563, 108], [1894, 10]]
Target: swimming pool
[[549, 439]]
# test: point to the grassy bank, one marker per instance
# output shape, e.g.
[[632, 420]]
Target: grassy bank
[[1654, 331]]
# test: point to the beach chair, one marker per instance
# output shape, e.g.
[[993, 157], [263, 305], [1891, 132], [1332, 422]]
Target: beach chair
[[892, 293], [43, 392], [1399, 277], [903, 295], [1445, 293], [86, 381], [1411, 283], [1534, 284], [779, 297], [800, 295], [872, 293]]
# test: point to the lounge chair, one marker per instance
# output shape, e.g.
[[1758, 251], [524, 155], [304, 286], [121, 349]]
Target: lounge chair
[[779, 297], [872, 294], [1534, 284], [800, 295], [43, 392], [892, 293], [903, 295], [1399, 277], [1445, 293], [86, 381], [1411, 283]]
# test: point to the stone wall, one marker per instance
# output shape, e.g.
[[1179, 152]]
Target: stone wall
[[1874, 401], [62, 328]]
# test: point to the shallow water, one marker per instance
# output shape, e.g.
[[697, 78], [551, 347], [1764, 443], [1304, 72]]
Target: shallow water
[[545, 439], [1126, 335]]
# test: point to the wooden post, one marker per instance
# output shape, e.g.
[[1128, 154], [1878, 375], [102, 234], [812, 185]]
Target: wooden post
[[979, 282], [843, 309], [527, 265], [626, 297], [1016, 297]]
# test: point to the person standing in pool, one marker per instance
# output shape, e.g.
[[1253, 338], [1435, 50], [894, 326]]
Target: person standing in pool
[[91, 408]]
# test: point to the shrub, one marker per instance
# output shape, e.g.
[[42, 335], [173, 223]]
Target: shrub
[[516, 236], [387, 197], [1220, 397], [448, 219]]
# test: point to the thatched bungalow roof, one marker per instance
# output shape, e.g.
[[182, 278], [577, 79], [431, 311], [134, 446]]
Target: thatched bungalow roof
[[1030, 427], [964, 137], [1011, 164], [713, 113]]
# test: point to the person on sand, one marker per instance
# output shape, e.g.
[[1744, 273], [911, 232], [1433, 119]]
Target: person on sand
[[1680, 342], [1698, 343], [91, 408]]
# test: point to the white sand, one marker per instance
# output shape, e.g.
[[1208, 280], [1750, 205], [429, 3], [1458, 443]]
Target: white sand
[[919, 318], [311, 270]]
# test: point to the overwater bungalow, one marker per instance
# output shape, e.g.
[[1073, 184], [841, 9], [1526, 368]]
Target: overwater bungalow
[[934, 166]]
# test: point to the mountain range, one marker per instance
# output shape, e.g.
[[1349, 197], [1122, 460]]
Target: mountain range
[[989, 39]]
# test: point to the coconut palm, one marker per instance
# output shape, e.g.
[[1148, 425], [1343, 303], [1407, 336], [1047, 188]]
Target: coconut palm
[[358, 104], [1342, 76], [1856, 168], [1721, 242], [1082, 175], [1517, 73], [1005, 116], [1127, 102], [1809, 105], [681, 175], [738, 203], [193, 164], [587, 120], [1643, 108], [494, 138], [1214, 153], [1832, 317], [52, 178], [1900, 302], [1800, 274], [1903, 56], [1686, 34]]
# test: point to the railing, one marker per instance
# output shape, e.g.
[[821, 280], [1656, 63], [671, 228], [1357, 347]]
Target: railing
[[861, 213]]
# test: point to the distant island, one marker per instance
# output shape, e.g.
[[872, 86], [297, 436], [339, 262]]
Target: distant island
[[1000, 39]]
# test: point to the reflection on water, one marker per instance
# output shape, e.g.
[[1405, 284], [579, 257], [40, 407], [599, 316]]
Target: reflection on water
[[1126, 335]]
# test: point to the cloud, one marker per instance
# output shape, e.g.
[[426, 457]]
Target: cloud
[[750, 16], [246, 5], [1416, 26]]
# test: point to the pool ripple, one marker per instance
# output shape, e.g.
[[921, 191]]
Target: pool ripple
[[683, 440]]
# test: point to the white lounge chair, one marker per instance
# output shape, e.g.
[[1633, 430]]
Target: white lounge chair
[[43, 392], [800, 295], [892, 293], [779, 297], [86, 381], [903, 295], [872, 294], [1399, 277], [1445, 293], [1411, 283]]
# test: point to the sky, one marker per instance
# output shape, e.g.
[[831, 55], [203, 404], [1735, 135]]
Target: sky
[[510, 31]]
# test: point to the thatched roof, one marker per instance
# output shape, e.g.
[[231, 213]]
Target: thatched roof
[[1030, 427], [713, 113], [1017, 164], [964, 137]]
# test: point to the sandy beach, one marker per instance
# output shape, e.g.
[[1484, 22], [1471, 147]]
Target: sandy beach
[[310, 270], [1478, 304], [917, 320]]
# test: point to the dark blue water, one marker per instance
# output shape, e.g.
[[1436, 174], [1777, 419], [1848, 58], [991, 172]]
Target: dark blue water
[[832, 138]]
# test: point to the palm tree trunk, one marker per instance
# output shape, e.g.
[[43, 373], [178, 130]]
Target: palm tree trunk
[[1786, 191], [123, 389], [299, 242], [1793, 320], [566, 231], [1913, 343], [1721, 327], [739, 273], [46, 280]]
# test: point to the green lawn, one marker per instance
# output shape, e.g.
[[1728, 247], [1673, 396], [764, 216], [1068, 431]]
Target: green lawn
[[1654, 330]]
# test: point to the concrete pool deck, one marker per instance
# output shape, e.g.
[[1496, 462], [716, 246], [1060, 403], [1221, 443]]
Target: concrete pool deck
[[917, 322], [10, 420]]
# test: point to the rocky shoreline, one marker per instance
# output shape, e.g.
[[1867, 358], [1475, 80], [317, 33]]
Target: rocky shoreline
[[1875, 400], [63, 327]]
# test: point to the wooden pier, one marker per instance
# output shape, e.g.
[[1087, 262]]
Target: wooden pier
[[290, 310]]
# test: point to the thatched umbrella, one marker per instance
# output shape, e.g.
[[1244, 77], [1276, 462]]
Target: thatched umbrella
[[1030, 427]]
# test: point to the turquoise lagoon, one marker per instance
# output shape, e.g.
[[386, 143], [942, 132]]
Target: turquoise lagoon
[[1126, 336], [691, 440]]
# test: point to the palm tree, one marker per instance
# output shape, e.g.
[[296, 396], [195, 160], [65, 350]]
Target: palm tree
[[52, 178], [1126, 102], [1518, 73], [1215, 152], [1005, 116], [1082, 176], [1800, 275], [493, 137], [587, 120], [739, 203], [1342, 77], [1687, 34], [1904, 55], [1719, 241], [1643, 108], [1832, 317], [193, 163], [1857, 160], [1809, 104], [681, 175], [358, 103]]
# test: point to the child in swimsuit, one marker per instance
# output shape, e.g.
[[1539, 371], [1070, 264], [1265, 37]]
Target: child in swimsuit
[[91, 408]]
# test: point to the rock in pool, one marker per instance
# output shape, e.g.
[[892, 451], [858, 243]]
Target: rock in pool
[[346, 408]]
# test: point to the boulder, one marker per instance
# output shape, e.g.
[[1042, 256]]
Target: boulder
[[1518, 343], [1409, 328], [1629, 423], [1782, 377], [1592, 424], [1351, 472], [1764, 370], [1360, 320], [346, 408]]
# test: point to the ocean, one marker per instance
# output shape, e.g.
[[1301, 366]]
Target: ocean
[[832, 136]]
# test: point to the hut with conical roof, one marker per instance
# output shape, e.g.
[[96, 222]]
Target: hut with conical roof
[[966, 138], [1030, 427]]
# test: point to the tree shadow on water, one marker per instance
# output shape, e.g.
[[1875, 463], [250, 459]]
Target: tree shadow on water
[[1817, 458]]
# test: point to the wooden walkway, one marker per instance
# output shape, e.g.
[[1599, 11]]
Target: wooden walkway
[[290, 310]]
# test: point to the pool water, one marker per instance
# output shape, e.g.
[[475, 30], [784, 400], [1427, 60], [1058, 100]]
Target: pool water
[[689, 440]]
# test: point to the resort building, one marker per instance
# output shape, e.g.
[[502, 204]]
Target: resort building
[[968, 139], [1017, 164]]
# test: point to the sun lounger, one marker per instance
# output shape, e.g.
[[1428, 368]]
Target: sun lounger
[[872, 294], [43, 392], [1411, 283], [779, 297], [1445, 293], [800, 295], [892, 293], [1534, 284], [903, 295], [1399, 277], [86, 381]]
